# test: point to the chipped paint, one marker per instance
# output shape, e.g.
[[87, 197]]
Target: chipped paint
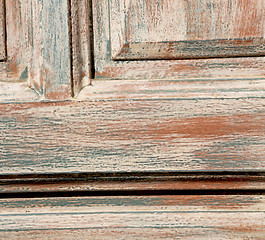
[[164, 135]]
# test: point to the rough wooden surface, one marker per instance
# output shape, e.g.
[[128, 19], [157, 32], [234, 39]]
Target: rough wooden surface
[[133, 135], [177, 69], [49, 64], [210, 127], [81, 44], [38, 47], [150, 217], [18, 33], [191, 50], [170, 20], [17, 92], [171, 29], [2, 32], [174, 89]]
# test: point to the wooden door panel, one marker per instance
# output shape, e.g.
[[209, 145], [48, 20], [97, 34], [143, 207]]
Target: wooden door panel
[[37, 53], [138, 138], [170, 29], [179, 35], [2, 31]]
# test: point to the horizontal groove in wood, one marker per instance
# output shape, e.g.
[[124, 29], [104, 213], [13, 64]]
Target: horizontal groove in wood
[[83, 184], [57, 194], [135, 176]]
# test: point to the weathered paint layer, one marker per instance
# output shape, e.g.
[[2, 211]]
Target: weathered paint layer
[[118, 23], [154, 217], [37, 42], [156, 135]]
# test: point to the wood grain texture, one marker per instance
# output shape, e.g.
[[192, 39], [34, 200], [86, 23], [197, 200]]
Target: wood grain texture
[[81, 43], [191, 50], [2, 32], [38, 47], [168, 29], [174, 89], [175, 69], [153, 217], [141, 135], [18, 30], [49, 64], [169, 20], [17, 92]]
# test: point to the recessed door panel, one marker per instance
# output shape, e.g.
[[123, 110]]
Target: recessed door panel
[[182, 29], [179, 39]]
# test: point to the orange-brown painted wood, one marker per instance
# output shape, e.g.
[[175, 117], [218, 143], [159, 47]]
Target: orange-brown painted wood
[[78, 187], [15, 67]]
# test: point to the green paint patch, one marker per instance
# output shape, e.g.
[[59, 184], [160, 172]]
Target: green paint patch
[[24, 74]]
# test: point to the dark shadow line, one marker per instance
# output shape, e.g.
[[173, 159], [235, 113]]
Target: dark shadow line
[[106, 193], [70, 46], [91, 40], [133, 176], [5, 29], [117, 58]]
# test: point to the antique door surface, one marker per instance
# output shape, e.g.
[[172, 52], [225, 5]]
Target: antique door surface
[[132, 119], [155, 30], [198, 35]]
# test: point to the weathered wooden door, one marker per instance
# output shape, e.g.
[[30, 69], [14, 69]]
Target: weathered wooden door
[[147, 34], [170, 29], [129, 119]]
